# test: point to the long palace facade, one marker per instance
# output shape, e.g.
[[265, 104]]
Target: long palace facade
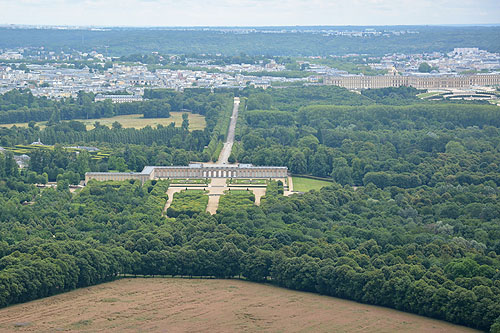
[[416, 81], [193, 170]]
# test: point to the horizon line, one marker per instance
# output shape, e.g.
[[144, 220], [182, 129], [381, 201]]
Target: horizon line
[[22, 25]]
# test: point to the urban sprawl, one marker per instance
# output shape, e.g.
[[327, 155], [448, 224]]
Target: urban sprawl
[[55, 75]]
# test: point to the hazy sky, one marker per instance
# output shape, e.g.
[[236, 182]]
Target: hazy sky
[[248, 12]]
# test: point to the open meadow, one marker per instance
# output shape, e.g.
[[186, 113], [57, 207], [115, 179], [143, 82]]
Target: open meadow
[[209, 305], [196, 121], [301, 184]]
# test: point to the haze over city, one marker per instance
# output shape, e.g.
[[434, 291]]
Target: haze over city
[[247, 12]]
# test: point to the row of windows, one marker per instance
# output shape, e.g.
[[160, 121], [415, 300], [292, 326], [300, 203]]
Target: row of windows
[[220, 173], [380, 82], [113, 177], [180, 173]]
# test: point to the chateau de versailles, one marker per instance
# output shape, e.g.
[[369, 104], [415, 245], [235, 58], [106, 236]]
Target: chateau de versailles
[[416, 81]]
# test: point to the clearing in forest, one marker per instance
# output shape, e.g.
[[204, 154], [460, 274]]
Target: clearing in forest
[[194, 305], [301, 184], [196, 121]]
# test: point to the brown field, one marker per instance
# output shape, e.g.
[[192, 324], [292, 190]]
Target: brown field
[[196, 121], [193, 305]]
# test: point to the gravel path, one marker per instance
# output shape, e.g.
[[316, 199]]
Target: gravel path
[[228, 145]]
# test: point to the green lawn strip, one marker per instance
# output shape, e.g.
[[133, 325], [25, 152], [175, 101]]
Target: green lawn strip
[[196, 121], [189, 181], [429, 94], [246, 181], [301, 184]]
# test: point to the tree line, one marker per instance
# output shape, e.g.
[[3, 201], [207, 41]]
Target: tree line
[[391, 247], [123, 42], [419, 233], [364, 142], [20, 106]]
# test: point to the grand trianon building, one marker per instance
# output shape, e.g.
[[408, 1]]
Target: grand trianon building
[[193, 170]]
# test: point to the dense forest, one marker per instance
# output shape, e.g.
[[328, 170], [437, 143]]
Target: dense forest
[[405, 249], [127, 41], [411, 221], [18, 105], [404, 142], [130, 149]]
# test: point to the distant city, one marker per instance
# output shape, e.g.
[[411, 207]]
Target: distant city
[[335, 31], [56, 75]]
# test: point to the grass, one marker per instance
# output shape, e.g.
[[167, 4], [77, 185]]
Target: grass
[[196, 121], [429, 94], [246, 181], [301, 184], [189, 181]]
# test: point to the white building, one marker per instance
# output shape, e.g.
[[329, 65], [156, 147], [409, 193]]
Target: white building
[[118, 98], [194, 170]]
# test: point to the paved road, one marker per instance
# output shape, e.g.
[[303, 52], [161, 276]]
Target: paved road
[[228, 145], [215, 190], [217, 186], [259, 193], [290, 187]]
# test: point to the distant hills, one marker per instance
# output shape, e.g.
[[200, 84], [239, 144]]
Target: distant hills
[[276, 41]]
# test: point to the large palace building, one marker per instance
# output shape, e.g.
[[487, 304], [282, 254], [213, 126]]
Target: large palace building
[[416, 81], [194, 170]]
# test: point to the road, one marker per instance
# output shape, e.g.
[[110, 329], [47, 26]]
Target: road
[[228, 145]]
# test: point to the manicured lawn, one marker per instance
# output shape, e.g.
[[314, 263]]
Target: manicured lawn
[[196, 121], [247, 181], [429, 94], [188, 181], [305, 184]]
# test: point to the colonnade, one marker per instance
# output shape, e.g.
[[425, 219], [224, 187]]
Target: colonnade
[[220, 172], [194, 171]]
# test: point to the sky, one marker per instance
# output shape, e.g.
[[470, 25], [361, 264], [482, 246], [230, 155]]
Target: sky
[[146, 13]]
